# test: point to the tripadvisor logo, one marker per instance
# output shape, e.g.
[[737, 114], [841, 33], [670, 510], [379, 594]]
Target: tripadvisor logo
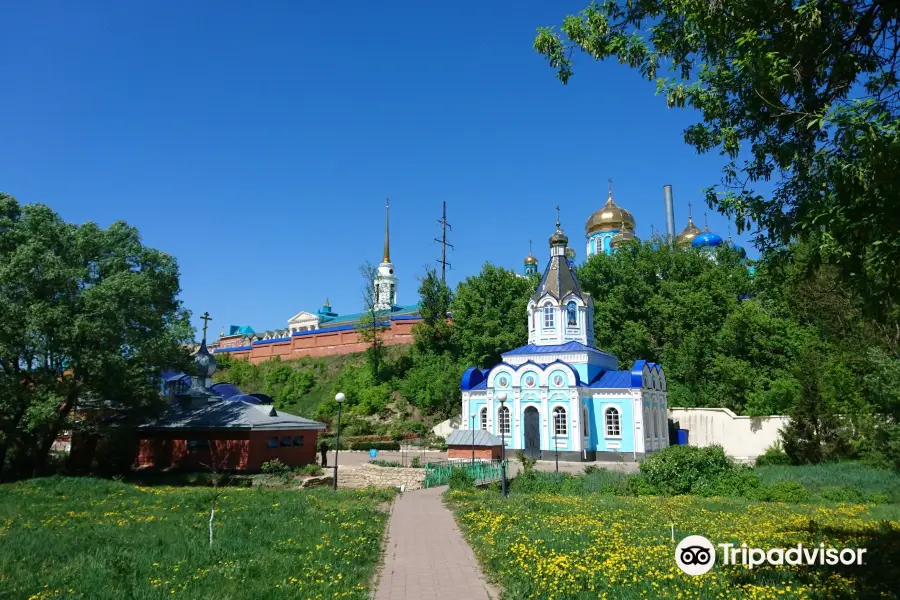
[[696, 555]]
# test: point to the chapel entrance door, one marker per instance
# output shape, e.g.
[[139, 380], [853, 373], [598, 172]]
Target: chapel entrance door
[[532, 430]]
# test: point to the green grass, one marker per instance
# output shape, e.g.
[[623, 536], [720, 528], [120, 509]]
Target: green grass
[[595, 546], [816, 478], [97, 539]]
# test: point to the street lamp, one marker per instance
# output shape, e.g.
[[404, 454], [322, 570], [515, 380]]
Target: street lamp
[[339, 398], [472, 420], [502, 398]]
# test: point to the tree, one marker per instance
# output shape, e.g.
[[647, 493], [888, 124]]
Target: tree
[[371, 324], [806, 93], [86, 314], [434, 333], [489, 314]]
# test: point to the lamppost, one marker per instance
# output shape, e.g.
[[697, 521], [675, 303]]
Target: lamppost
[[472, 420], [502, 398], [339, 398]]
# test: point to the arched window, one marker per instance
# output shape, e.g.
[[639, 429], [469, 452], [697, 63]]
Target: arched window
[[503, 419], [559, 421], [585, 424], [482, 419], [549, 317], [572, 312], [613, 423]]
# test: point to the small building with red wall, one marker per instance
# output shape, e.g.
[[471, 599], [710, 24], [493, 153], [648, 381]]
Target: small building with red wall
[[228, 434], [462, 443]]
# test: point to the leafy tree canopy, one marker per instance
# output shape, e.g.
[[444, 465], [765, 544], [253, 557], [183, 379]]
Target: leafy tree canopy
[[805, 93]]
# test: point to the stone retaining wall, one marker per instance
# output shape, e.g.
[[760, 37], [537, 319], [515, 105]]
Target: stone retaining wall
[[372, 475]]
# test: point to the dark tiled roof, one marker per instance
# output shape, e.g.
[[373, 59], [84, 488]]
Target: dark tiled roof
[[559, 280]]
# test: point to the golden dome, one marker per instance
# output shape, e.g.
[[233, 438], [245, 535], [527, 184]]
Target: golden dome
[[531, 260], [621, 237], [610, 216], [687, 234]]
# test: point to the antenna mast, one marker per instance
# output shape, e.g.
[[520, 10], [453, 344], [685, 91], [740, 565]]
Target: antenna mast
[[444, 244]]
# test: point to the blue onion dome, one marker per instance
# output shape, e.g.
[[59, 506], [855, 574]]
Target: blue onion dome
[[621, 237], [570, 254], [706, 239], [732, 246]]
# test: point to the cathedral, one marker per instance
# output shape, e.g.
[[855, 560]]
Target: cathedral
[[559, 395]]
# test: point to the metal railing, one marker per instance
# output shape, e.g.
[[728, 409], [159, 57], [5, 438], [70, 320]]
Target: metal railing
[[481, 471]]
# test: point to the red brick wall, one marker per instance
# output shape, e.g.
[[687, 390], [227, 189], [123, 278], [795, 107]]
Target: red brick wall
[[327, 343], [481, 452], [238, 450]]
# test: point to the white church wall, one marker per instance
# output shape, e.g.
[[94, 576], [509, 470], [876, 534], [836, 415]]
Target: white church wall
[[741, 437]]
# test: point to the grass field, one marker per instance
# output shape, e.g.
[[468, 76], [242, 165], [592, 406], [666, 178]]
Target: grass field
[[556, 547], [819, 478], [96, 539]]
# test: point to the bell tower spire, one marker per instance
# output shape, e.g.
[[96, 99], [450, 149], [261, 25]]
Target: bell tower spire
[[387, 233]]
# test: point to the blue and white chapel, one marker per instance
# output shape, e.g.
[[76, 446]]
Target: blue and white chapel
[[561, 394]]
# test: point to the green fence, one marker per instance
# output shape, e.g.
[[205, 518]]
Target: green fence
[[482, 471]]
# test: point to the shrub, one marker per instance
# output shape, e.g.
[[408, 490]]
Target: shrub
[[677, 469], [375, 446], [311, 469], [588, 469], [774, 456], [740, 482], [842, 494], [603, 481], [384, 463], [460, 479], [275, 467], [537, 482], [416, 463], [790, 492], [527, 463], [637, 485]]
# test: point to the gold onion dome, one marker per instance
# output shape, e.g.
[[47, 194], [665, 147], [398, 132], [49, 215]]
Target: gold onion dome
[[621, 237], [687, 234], [610, 216], [531, 260]]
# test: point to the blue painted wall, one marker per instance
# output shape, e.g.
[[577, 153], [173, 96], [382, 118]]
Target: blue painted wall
[[598, 423]]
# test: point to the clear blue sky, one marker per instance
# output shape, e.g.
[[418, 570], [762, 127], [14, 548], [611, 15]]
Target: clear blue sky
[[256, 142]]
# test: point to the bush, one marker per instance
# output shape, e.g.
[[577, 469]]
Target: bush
[[842, 494], [637, 485], [375, 446], [537, 482], [275, 467], [312, 470], [527, 463], [740, 482], [677, 469], [588, 469], [416, 463], [384, 463], [460, 479], [790, 492], [774, 457]]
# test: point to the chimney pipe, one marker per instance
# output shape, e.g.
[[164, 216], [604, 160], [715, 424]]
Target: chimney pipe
[[670, 214]]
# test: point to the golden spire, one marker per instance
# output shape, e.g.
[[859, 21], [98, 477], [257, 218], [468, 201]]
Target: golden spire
[[689, 232], [387, 235]]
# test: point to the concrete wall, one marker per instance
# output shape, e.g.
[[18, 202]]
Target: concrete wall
[[742, 437]]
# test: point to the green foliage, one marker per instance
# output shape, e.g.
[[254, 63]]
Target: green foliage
[[385, 463], [310, 469], [86, 314], [489, 315], [275, 467], [461, 479], [541, 483], [679, 469], [773, 457], [792, 492], [98, 539], [806, 91], [415, 463], [527, 462]]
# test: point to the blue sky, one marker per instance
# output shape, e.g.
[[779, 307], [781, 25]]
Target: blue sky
[[257, 142]]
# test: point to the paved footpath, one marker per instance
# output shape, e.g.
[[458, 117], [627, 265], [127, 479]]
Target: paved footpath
[[427, 557]]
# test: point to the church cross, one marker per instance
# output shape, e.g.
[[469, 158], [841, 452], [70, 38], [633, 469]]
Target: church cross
[[689, 210], [557, 216], [610, 186], [529, 246], [206, 319]]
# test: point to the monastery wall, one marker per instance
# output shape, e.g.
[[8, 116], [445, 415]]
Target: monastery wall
[[326, 343], [742, 437]]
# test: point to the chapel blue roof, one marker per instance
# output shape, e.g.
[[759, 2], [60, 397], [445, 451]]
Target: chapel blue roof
[[553, 348], [226, 390], [707, 239], [612, 379], [739, 249]]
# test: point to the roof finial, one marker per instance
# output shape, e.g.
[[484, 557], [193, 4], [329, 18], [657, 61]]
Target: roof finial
[[729, 231], [327, 302], [529, 248], [609, 181], [557, 216], [206, 319], [387, 236], [705, 222], [690, 215]]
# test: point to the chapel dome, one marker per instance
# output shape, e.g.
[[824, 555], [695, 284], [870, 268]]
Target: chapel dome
[[687, 234], [570, 254], [204, 362], [706, 239], [621, 237], [610, 216], [559, 238], [531, 259], [739, 249]]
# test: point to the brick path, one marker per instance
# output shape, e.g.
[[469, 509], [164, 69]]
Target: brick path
[[427, 557]]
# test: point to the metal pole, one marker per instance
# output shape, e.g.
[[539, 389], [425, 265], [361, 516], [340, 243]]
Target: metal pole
[[473, 438], [337, 448], [502, 454], [556, 447], [670, 214]]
